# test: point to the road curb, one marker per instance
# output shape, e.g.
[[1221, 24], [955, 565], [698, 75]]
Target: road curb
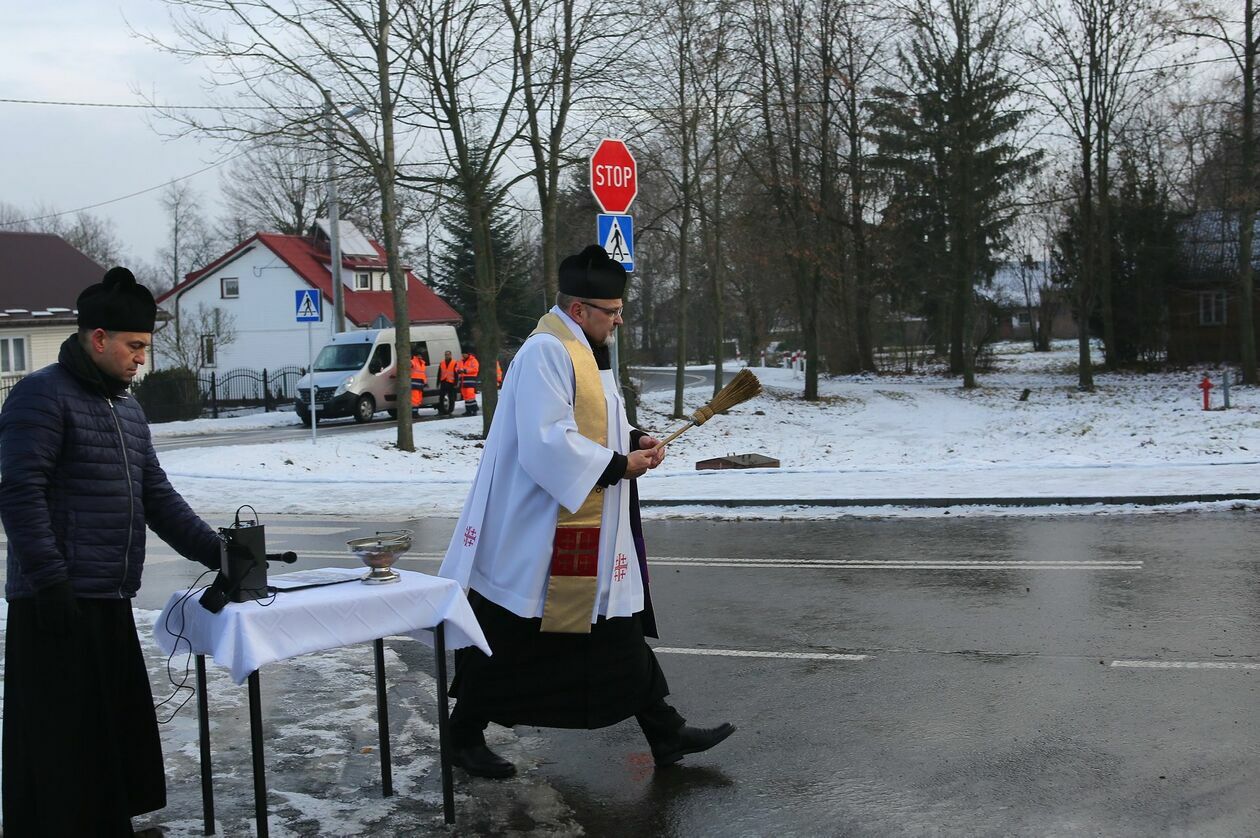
[[942, 503]]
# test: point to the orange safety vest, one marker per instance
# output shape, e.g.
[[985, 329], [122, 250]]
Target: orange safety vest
[[470, 367], [418, 370], [498, 373], [447, 370]]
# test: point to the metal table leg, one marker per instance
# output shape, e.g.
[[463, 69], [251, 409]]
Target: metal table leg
[[256, 746], [444, 714], [382, 720], [203, 739]]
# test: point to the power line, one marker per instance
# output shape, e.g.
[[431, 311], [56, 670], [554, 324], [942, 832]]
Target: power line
[[1178, 65], [47, 216], [135, 105]]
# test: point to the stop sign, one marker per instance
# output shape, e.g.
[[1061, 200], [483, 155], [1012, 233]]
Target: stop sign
[[614, 176]]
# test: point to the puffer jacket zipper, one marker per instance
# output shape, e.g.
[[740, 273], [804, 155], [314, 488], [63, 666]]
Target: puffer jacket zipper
[[131, 496]]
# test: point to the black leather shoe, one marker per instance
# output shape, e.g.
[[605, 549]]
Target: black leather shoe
[[480, 761], [689, 740]]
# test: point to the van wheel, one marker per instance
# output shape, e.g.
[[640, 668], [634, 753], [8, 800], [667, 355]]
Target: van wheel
[[364, 409], [392, 414]]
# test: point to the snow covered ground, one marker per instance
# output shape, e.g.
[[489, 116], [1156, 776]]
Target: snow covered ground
[[869, 437]]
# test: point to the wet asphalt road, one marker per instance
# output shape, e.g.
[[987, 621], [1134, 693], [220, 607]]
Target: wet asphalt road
[[1013, 699]]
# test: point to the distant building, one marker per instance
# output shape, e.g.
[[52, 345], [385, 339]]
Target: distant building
[[41, 276], [255, 284], [1017, 284], [1203, 303]]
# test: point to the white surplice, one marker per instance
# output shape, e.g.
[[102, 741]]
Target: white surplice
[[536, 461]]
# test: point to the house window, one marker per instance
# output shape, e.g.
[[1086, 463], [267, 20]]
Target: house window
[[1212, 308], [386, 285], [207, 351], [363, 282], [229, 288], [12, 355]]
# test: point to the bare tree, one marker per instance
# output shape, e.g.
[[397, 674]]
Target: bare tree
[[792, 150], [190, 241], [470, 78], [194, 339], [1094, 63], [568, 52], [91, 235], [297, 64]]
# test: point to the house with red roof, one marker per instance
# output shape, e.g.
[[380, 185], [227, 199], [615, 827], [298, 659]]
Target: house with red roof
[[251, 289]]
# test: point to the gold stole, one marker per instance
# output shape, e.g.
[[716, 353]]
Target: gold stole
[[574, 579]]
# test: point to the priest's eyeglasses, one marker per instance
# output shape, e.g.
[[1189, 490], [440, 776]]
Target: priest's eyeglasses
[[611, 312]]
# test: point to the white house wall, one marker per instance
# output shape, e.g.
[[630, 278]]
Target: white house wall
[[267, 334]]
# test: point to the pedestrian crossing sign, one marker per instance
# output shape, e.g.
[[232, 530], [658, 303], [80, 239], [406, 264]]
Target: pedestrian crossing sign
[[615, 233], [308, 306]]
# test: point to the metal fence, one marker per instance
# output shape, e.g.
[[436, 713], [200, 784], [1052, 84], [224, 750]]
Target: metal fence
[[244, 387], [6, 384]]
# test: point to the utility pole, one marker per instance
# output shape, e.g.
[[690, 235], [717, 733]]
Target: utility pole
[[334, 223]]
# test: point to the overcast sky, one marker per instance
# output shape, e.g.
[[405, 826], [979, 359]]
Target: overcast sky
[[69, 157]]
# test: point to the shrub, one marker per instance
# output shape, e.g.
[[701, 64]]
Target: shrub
[[170, 395]]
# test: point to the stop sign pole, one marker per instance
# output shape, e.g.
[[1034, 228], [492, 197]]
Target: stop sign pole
[[614, 183]]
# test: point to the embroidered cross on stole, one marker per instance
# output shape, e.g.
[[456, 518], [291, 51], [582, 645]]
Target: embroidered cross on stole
[[574, 580]]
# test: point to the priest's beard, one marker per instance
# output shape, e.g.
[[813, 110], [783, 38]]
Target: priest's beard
[[610, 341]]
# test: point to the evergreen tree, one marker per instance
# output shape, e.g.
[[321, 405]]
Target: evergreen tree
[[1144, 259], [520, 302], [951, 129]]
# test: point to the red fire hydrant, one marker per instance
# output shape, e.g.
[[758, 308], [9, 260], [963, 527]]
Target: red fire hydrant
[[1206, 386]]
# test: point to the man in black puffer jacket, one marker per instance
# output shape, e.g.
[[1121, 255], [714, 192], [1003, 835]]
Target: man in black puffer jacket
[[79, 480]]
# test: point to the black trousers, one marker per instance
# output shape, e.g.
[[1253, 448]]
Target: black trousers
[[81, 749], [659, 721], [446, 397], [581, 681]]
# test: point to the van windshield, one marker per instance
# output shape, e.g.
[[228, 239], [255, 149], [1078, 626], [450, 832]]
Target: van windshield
[[345, 357]]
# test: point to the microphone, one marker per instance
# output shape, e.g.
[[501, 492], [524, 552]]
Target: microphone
[[288, 557]]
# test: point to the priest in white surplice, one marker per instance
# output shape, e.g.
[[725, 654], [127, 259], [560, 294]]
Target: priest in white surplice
[[550, 545]]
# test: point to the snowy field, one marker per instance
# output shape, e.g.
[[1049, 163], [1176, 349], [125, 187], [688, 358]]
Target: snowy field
[[869, 437]]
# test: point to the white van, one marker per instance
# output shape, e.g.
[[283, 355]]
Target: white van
[[354, 372]]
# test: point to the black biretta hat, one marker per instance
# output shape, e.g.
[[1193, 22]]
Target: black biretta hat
[[117, 303], [594, 274]]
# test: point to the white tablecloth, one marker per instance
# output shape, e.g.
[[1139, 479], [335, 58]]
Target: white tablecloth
[[246, 636]]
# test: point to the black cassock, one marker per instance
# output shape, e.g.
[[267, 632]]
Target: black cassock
[[546, 679], [82, 753]]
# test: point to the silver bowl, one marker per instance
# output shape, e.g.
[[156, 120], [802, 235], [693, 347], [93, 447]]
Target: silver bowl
[[379, 552]]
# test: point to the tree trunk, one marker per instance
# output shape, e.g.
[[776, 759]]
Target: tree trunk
[[1085, 281], [680, 355], [488, 335], [389, 222], [1250, 200], [1102, 251]]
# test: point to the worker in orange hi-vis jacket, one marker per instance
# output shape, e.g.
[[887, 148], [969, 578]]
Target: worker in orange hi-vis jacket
[[498, 374], [448, 378], [419, 379], [469, 371]]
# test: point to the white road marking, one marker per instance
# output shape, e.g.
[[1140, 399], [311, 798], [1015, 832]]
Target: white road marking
[[746, 653], [893, 565], [1185, 665], [283, 529], [836, 564]]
